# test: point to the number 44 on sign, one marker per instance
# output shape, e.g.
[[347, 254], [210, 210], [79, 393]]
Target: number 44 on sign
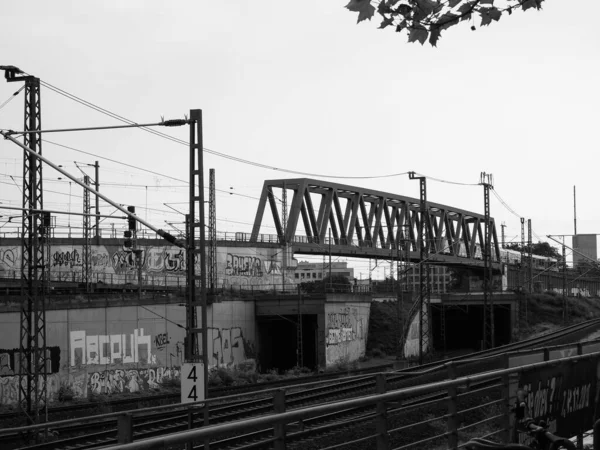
[[192, 382]]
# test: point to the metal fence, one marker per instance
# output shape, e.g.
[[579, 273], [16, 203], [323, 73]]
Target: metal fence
[[443, 414]]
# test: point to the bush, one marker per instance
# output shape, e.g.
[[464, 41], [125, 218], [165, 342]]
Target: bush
[[65, 393]]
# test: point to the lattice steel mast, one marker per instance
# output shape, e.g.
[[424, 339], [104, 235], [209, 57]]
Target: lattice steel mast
[[196, 203], [32, 373], [488, 303], [87, 238], [212, 232], [424, 293]]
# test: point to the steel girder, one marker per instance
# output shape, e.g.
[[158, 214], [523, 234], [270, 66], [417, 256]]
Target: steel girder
[[370, 223]]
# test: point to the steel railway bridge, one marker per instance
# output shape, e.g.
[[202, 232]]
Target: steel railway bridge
[[357, 222]]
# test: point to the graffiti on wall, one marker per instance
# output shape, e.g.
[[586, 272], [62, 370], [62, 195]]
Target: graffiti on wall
[[110, 349], [11, 361], [10, 258], [129, 380], [243, 266], [566, 396], [9, 386], [82, 383], [160, 265], [228, 346], [343, 326]]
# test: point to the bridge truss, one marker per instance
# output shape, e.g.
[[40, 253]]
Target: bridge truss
[[368, 223]]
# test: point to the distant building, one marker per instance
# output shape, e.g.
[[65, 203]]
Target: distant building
[[584, 245], [439, 279], [306, 271]]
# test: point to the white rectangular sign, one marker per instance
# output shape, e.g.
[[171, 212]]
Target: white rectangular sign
[[192, 382]]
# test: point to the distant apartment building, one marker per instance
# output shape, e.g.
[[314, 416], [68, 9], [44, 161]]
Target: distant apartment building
[[585, 246], [439, 279], [306, 271]]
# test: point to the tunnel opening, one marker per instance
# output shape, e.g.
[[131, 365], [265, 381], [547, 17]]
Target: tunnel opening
[[464, 327], [278, 342]]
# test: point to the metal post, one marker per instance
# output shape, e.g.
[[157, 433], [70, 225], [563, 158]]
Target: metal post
[[212, 232], [32, 344], [330, 280], [564, 282], [424, 294], [488, 303], [196, 198], [97, 186], [125, 428], [453, 421], [381, 418], [284, 237], [87, 244], [279, 427], [530, 257]]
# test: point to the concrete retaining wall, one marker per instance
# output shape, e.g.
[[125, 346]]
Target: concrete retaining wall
[[346, 327], [123, 348]]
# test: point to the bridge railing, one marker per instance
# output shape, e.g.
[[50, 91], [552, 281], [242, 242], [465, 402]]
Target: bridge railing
[[443, 414]]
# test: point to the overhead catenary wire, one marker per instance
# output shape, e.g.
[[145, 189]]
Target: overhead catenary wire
[[9, 99], [207, 150]]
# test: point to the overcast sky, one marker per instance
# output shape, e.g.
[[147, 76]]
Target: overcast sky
[[301, 86]]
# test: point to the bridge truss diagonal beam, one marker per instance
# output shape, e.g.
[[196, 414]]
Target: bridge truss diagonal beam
[[369, 223]]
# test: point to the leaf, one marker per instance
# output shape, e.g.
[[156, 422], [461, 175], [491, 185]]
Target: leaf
[[384, 8], [363, 7], [418, 34], [495, 14], [386, 22], [428, 6], [465, 7], [530, 4], [487, 15], [453, 3], [404, 9], [447, 20], [434, 36], [401, 26]]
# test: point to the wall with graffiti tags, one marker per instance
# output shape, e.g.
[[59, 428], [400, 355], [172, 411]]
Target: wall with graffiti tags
[[411, 344], [122, 349], [346, 326], [247, 266], [161, 265]]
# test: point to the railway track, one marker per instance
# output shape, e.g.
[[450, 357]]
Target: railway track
[[149, 424]]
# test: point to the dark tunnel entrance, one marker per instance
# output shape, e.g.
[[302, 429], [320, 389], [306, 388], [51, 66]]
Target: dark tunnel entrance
[[278, 343], [464, 326]]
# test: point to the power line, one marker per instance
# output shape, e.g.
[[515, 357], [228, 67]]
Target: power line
[[447, 181], [207, 150], [9, 99]]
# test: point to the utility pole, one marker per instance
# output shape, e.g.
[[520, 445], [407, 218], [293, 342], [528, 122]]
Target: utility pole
[[574, 212], [486, 180], [97, 187], [424, 294], [564, 281], [284, 213], [530, 256], [212, 232], [196, 200], [87, 243], [330, 280], [32, 343], [503, 226]]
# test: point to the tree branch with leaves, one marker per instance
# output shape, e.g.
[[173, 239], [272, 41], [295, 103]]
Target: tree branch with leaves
[[423, 19]]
